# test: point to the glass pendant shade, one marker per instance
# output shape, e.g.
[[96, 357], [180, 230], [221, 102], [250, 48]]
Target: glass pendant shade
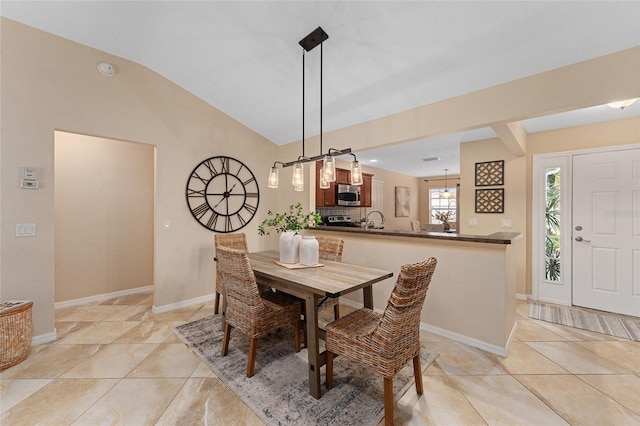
[[298, 188], [329, 168], [323, 184], [273, 178], [298, 176], [356, 173], [445, 194]]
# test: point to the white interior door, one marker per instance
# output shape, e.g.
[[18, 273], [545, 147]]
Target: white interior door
[[606, 231]]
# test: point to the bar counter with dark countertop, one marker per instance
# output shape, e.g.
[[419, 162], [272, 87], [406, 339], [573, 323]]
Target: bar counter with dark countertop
[[495, 238], [472, 297]]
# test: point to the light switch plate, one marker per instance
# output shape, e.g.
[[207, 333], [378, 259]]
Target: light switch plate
[[25, 230]]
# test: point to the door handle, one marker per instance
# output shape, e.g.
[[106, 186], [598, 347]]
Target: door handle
[[579, 239]]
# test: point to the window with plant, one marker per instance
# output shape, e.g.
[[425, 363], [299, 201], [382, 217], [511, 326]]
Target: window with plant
[[442, 209], [552, 225]]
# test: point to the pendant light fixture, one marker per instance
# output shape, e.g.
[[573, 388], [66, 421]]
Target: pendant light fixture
[[356, 172], [446, 193], [328, 172]]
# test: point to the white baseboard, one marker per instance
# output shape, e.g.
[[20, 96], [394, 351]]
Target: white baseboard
[[182, 304], [460, 338], [101, 297], [44, 338]]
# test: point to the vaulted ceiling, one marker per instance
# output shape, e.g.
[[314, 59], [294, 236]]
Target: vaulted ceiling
[[381, 57]]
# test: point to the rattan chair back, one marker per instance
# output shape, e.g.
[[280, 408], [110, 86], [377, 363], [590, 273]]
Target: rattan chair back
[[330, 248], [244, 303], [253, 313], [385, 342], [399, 327], [237, 241]]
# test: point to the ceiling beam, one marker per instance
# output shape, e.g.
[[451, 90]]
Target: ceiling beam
[[513, 136], [581, 85]]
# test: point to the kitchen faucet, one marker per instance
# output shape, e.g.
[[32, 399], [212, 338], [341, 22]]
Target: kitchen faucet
[[382, 218]]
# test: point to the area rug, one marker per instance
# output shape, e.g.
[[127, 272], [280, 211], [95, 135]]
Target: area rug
[[600, 322], [279, 391]]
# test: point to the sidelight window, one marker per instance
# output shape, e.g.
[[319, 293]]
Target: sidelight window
[[552, 225]]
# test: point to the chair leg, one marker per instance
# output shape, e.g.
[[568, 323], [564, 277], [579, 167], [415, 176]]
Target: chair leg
[[216, 303], [388, 401], [329, 367], [296, 335], [336, 311], [225, 339], [417, 373], [253, 342]]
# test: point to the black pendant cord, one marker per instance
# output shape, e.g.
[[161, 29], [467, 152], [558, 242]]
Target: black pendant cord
[[303, 102], [321, 98]]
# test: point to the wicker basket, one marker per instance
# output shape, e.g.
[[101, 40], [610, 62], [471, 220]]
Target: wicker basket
[[15, 332]]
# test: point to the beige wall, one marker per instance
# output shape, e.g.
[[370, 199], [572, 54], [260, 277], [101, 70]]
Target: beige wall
[[515, 198], [103, 215], [47, 84], [391, 180]]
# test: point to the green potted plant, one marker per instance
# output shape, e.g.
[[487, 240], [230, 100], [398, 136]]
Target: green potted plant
[[288, 224], [444, 216]]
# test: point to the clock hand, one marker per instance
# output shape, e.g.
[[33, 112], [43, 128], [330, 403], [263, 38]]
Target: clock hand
[[225, 195]]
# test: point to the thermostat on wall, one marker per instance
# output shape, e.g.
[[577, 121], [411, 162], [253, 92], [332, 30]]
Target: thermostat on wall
[[29, 184], [29, 178]]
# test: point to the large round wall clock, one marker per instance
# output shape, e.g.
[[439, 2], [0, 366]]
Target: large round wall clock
[[222, 194]]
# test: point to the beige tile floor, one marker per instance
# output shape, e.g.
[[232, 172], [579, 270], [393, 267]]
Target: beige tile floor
[[118, 363]]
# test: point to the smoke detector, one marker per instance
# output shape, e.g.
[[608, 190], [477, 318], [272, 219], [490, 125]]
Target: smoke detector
[[106, 69]]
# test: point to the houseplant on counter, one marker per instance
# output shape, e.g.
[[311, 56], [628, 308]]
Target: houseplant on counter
[[288, 224], [444, 216]]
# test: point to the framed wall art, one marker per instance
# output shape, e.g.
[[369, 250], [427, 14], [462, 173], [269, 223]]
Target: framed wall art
[[490, 200], [490, 173], [403, 201]]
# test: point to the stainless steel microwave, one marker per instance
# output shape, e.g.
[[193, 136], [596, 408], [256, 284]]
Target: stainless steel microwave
[[348, 195]]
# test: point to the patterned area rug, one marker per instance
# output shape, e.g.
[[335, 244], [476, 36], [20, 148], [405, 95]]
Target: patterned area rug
[[622, 326], [279, 391]]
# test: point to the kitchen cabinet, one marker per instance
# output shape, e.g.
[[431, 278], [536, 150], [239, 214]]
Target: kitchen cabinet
[[365, 192], [327, 197], [324, 197], [343, 177]]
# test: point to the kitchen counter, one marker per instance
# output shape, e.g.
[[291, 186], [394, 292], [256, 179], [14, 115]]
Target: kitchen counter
[[495, 238], [472, 297]]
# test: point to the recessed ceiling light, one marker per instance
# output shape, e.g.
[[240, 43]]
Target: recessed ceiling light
[[431, 159], [622, 104], [373, 161], [106, 69]]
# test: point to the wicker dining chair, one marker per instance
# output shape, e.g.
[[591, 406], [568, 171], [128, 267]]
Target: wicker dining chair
[[330, 248], [253, 313], [385, 342], [237, 241]]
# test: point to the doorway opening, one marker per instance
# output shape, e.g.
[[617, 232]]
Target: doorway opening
[[104, 217]]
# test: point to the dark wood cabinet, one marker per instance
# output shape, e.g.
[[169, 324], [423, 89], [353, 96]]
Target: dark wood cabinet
[[365, 192], [327, 197], [324, 197], [343, 177]]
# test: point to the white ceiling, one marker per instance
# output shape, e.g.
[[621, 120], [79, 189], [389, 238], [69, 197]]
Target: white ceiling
[[381, 57]]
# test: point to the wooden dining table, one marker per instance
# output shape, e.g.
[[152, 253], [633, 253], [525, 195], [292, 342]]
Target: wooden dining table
[[312, 284]]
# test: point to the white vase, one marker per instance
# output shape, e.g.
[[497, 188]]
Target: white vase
[[289, 247], [309, 250]]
